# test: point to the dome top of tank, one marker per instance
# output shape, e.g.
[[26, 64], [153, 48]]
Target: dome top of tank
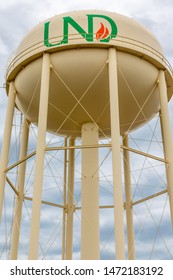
[[87, 28]]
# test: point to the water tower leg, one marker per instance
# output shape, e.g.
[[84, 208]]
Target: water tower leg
[[90, 239], [19, 199], [39, 164], [167, 137], [129, 209], [65, 203], [6, 142], [116, 156], [70, 202]]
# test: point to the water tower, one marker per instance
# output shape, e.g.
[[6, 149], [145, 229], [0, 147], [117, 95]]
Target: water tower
[[86, 75]]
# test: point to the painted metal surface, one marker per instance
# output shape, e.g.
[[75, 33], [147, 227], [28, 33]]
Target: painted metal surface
[[79, 87]]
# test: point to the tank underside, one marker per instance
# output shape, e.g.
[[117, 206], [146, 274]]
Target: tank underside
[[79, 91]]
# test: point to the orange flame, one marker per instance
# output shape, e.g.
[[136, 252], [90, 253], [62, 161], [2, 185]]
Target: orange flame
[[102, 33]]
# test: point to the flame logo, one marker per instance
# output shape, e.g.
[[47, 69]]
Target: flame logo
[[102, 33]]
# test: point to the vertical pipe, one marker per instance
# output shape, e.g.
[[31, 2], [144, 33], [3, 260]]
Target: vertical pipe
[[6, 141], [128, 194], [167, 137], [40, 152], [116, 156], [65, 203], [90, 238], [70, 202], [19, 199]]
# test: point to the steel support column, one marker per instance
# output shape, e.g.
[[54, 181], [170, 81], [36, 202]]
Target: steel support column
[[129, 207], [6, 142], [116, 156], [20, 197], [40, 153], [70, 202], [167, 137], [90, 239]]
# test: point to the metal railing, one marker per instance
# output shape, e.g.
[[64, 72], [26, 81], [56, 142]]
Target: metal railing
[[125, 42]]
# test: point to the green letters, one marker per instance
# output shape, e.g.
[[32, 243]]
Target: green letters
[[88, 36]]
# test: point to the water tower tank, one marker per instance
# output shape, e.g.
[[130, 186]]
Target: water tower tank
[[79, 84]]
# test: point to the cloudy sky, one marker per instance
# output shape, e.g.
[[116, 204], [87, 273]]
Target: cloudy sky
[[17, 17]]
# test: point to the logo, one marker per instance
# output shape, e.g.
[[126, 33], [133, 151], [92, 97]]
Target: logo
[[103, 35]]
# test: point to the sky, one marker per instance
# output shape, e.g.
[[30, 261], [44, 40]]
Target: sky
[[17, 17]]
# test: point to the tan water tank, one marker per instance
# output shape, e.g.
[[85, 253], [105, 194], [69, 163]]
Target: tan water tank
[[79, 90]]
